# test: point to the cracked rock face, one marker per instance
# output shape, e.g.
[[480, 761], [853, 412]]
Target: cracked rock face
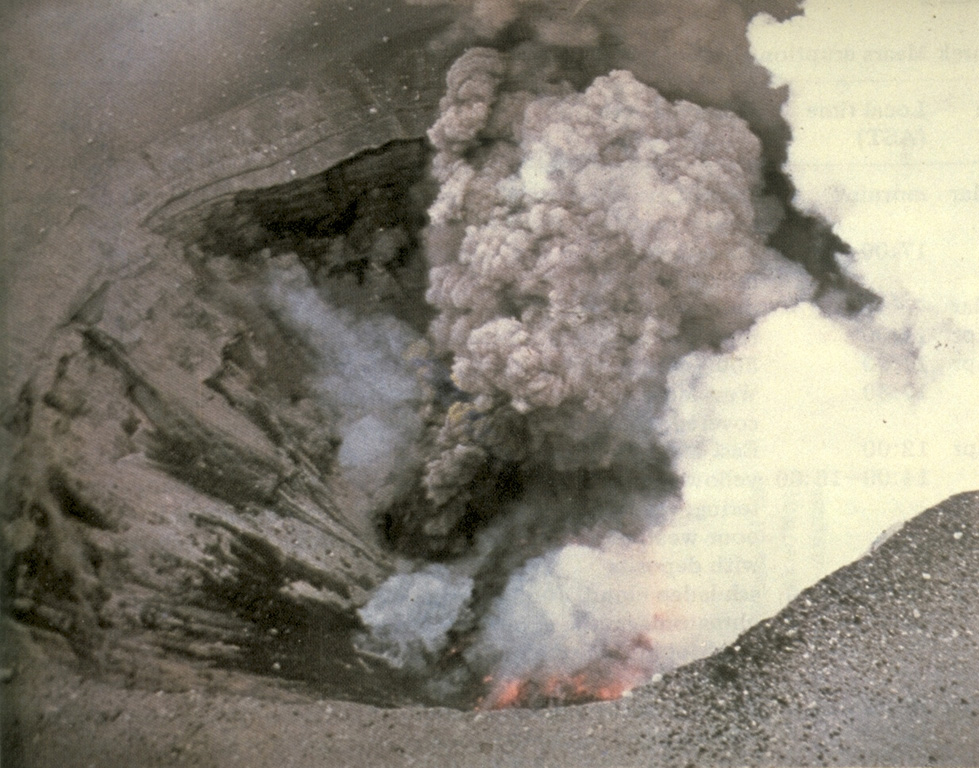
[[174, 480]]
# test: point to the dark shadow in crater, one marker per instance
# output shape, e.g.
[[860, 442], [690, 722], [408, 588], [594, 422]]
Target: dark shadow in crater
[[355, 227]]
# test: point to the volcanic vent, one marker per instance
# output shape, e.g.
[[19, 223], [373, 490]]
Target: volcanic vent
[[580, 245], [443, 358]]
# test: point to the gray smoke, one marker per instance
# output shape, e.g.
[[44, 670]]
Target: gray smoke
[[364, 380], [583, 243], [411, 615]]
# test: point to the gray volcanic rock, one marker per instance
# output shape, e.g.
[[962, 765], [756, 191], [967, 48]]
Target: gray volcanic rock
[[877, 664]]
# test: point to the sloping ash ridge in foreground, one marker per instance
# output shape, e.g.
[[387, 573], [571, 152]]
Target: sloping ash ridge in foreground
[[875, 665]]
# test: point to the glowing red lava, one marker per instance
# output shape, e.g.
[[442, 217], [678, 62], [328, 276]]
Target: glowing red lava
[[601, 682]]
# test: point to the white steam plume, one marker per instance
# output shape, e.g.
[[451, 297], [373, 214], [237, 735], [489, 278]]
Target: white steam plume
[[363, 378], [411, 614], [813, 435]]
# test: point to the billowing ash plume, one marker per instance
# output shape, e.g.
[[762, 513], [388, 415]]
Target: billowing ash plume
[[581, 244]]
